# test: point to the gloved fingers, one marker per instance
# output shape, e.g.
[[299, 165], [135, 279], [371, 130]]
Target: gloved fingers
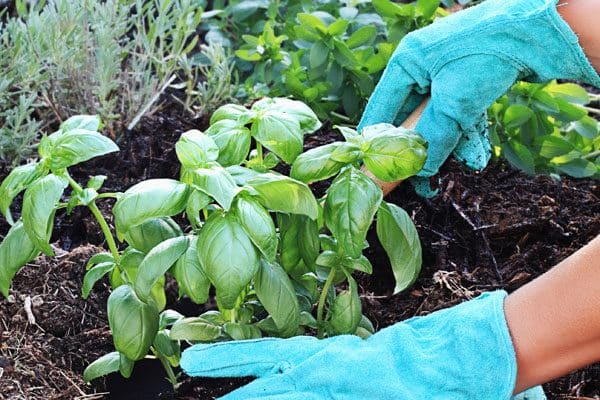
[[474, 148], [393, 94], [258, 357]]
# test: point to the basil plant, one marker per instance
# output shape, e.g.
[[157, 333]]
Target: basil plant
[[271, 252]]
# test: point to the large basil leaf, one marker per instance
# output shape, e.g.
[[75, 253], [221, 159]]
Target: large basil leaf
[[149, 199], [280, 133], [239, 331], [39, 204], [17, 181], [196, 202], [233, 141], [78, 145], [105, 365], [258, 224], [195, 329], [346, 310], [308, 120], [148, 234], [276, 293], [168, 347], [16, 250], [283, 194], [133, 323], [194, 149], [352, 201], [156, 263], [227, 112], [190, 275], [299, 243], [94, 275], [316, 164], [395, 154], [228, 257], [400, 239], [217, 183], [86, 122]]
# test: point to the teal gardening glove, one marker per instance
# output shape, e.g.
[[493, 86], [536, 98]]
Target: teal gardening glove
[[468, 60], [461, 353]]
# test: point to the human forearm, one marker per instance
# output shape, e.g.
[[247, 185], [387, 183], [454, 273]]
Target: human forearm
[[555, 320], [582, 16]]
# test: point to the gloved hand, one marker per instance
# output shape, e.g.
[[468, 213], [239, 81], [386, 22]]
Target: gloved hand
[[461, 353], [468, 60]]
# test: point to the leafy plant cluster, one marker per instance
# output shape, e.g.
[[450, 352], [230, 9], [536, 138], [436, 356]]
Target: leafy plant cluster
[[328, 53], [547, 129], [273, 253], [112, 58]]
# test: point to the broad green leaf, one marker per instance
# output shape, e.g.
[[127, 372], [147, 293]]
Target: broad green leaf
[[133, 323], [217, 183], [16, 250], [587, 127], [291, 252], [338, 27], [276, 293], [166, 346], [79, 145], [427, 8], [94, 275], [18, 180], [96, 182], [168, 318], [519, 156], [148, 234], [346, 310], [569, 112], [361, 263], [195, 329], [227, 112], [352, 201], [569, 92], [400, 239], [241, 175], [347, 153], [157, 262], [196, 202], [105, 365], [99, 258], [258, 225], [329, 259], [125, 366], [149, 199], [39, 203], [362, 36], [319, 54], [280, 193], [86, 122], [228, 257], [516, 115], [578, 168], [194, 149], [316, 164], [395, 155], [553, 146], [280, 133], [190, 275], [239, 331], [312, 21], [233, 141]]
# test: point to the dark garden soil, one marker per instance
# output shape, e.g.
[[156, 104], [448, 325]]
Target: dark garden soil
[[483, 231]]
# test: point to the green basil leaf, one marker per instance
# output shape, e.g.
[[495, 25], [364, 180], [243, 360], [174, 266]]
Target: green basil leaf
[[86, 122], [196, 202], [94, 275], [241, 175], [308, 120], [165, 345], [233, 141], [79, 145], [217, 183], [99, 258], [276, 293], [569, 92], [338, 27], [190, 275], [361, 263], [39, 206], [133, 323], [194, 149], [516, 115], [329, 259], [145, 236], [227, 112], [280, 133], [554, 146], [346, 310], [258, 224], [400, 239], [587, 127], [347, 153], [18, 180], [157, 262], [283, 194], [125, 366], [394, 154], [316, 164], [241, 331], [362, 36], [149, 199], [96, 182], [16, 250], [105, 365], [228, 257], [168, 318], [319, 54], [290, 258], [195, 329], [352, 201], [578, 168], [427, 8], [519, 156]]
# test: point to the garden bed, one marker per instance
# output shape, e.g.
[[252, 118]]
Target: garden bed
[[496, 229]]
